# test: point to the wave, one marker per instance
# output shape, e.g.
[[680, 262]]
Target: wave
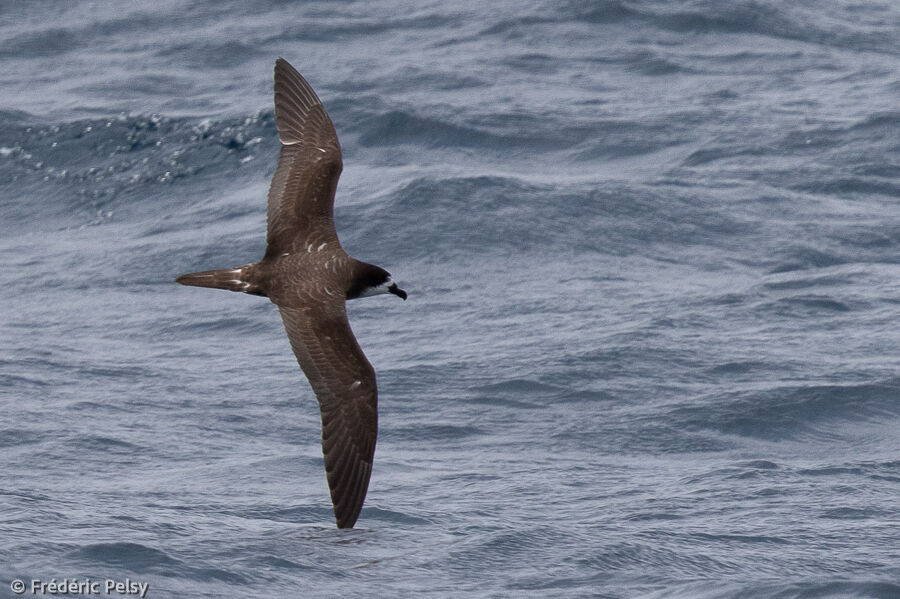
[[792, 412], [871, 29], [133, 556], [838, 588], [82, 172], [144, 559], [463, 216], [510, 133], [88, 171]]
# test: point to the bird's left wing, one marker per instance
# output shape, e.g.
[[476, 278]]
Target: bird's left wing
[[344, 383]]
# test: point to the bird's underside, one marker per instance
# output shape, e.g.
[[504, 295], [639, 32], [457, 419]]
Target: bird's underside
[[309, 276]]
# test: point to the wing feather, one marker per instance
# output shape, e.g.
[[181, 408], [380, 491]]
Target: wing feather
[[344, 383], [301, 195]]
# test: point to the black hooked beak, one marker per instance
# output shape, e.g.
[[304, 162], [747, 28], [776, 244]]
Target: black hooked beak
[[397, 291]]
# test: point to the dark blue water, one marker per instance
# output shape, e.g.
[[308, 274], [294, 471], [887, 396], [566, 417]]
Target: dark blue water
[[651, 345]]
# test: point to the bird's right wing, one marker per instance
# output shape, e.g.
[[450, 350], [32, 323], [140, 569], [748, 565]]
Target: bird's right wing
[[344, 383], [301, 195]]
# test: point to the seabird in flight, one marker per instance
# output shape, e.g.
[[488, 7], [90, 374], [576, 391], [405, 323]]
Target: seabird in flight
[[309, 276]]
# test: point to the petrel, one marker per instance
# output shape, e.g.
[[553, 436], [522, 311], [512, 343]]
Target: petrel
[[309, 276]]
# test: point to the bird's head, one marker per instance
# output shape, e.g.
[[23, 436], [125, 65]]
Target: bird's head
[[372, 280]]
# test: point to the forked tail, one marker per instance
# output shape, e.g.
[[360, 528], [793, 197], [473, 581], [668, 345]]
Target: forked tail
[[232, 279]]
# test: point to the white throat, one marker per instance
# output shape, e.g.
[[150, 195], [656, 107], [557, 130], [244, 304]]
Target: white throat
[[380, 289]]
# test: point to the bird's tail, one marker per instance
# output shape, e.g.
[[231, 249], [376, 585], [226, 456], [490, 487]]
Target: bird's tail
[[232, 279]]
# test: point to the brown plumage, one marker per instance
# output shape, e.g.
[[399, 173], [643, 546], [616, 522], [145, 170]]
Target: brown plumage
[[306, 272]]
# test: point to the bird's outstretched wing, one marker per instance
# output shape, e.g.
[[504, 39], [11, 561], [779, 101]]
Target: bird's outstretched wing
[[344, 383], [301, 196]]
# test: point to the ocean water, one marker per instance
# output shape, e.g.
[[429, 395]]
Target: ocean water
[[651, 343]]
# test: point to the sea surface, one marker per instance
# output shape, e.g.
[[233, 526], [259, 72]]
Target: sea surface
[[651, 346]]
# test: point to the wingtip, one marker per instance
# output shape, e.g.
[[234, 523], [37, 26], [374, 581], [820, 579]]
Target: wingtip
[[283, 66], [294, 99], [345, 516], [349, 494]]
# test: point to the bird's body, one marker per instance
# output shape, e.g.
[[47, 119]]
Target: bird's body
[[307, 273]]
